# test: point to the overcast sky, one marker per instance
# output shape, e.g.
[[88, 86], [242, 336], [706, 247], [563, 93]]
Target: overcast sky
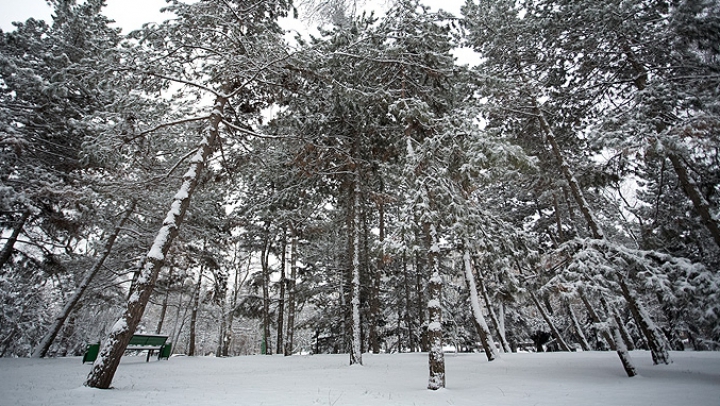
[[129, 14]]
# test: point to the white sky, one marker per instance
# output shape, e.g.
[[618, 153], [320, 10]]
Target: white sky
[[129, 14], [132, 14]]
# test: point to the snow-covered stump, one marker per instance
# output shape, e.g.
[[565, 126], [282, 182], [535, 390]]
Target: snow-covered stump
[[483, 330], [49, 337], [103, 370], [436, 357]]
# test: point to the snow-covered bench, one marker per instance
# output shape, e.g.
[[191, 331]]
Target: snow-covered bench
[[138, 342]]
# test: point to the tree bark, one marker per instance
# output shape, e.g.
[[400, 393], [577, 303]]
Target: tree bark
[[356, 348], [281, 298], [164, 306], [7, 250], [104, 368], [290, 342], [375, 277], [611, 311], [575, 189], [699, 202], [264, 262], [577, 327], [230, 314], [493, 317], [408, 305], [194, 313], [553, 329], [623, 352], [480, 323], [420, 301], [74, 299], [596, 319], [436, 356], [654, 338]]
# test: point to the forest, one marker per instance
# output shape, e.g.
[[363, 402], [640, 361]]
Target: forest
[[244, 190]]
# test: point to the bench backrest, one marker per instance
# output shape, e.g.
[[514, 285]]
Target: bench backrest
[[148, 340]]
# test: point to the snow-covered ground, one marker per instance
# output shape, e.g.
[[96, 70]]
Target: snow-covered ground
[[553, 379]]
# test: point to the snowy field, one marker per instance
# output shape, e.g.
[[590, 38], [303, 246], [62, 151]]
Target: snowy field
[[552, 379]]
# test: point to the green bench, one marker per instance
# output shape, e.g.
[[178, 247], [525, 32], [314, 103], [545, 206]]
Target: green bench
[[138, 342]]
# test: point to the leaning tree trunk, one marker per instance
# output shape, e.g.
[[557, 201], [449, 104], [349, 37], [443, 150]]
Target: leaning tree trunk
[[576, 325], [480, 323], [47, 341], [653, 337], [575, 189], [699, 202], [10, 243], [622, 350], [553, 329], [496, 321], [611, 311], [106, 364], [596, 320]]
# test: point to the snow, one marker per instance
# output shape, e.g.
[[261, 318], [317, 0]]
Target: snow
[[120, 325], [550, 379], [434, 326], [160, 240]]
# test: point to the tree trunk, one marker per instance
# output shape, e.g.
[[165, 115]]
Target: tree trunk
[[375, 277], [436, 357], [230, 314], [104, 368], [291, 296], [556, 334], [408, 305], [7, 250], [577, 327], [654, 338], [356, 348], [49, 337], [264, 262], [611, 311], [699, 202], [493, 318], [480, 323], [163, 308], [575, 190], [281, 298], [420, 301], [623, 352], [179, 321], [194, 313], [596, 319]]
